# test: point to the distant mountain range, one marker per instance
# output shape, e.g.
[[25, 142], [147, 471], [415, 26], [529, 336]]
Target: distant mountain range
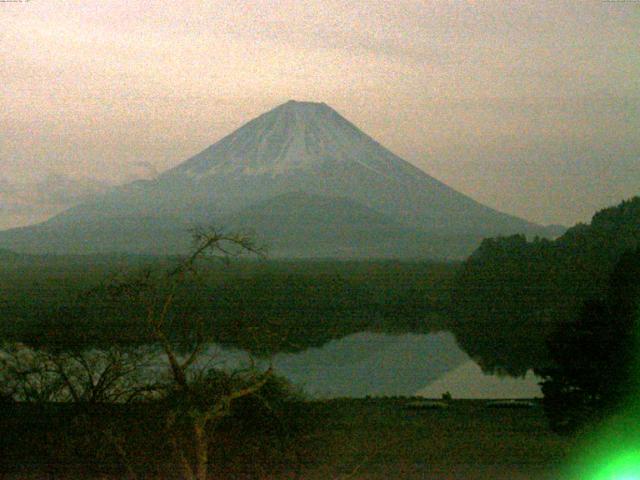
[[303, 179]]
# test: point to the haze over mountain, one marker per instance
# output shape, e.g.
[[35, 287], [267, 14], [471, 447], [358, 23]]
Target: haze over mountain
[[303, 178], [38, 199]]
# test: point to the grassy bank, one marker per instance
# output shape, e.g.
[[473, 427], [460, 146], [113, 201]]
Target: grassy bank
[[381, 438], [366, 438]]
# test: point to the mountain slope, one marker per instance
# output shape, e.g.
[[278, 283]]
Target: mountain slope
[[309, 147], [297, 147], [303, 225]]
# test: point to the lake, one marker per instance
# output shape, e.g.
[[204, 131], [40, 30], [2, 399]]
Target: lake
[[376, 364], [360, 365]]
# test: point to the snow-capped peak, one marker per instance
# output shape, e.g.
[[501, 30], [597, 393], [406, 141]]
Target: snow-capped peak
[[293, 136]]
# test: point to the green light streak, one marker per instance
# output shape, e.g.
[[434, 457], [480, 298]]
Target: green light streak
[[626, 466], [612, 452]]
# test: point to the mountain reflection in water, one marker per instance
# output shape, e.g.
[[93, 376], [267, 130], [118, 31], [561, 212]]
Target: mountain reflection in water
[[377, 364]]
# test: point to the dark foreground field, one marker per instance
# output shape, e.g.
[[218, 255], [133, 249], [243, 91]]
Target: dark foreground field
[[368, 439], [379, 439]]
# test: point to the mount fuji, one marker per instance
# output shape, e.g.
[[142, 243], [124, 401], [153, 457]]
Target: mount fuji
[[305, 180]]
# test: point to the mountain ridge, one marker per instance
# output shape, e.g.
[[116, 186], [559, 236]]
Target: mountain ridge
[[305, 147]]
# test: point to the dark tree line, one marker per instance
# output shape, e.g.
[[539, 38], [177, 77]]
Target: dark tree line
[[512, 294], [595, 357], [567, 308]]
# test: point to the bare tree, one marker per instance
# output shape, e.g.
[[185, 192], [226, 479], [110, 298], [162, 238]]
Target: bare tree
[[198, 400], [29, 375], [114, 375], [84, 377], [193, 396]]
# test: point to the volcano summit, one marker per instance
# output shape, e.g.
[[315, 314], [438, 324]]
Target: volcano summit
[[304, 179]]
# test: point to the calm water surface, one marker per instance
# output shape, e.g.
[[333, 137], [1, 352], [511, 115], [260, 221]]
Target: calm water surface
[[378, 364]]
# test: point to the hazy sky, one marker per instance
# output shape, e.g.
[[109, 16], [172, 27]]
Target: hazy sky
[[532, 107]]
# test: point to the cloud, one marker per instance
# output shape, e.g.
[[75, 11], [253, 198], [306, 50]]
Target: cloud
[[28, 202], [58, 189], [142, 170], [6, 187]]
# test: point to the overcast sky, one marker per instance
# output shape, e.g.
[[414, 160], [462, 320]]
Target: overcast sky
[[531, 107]]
